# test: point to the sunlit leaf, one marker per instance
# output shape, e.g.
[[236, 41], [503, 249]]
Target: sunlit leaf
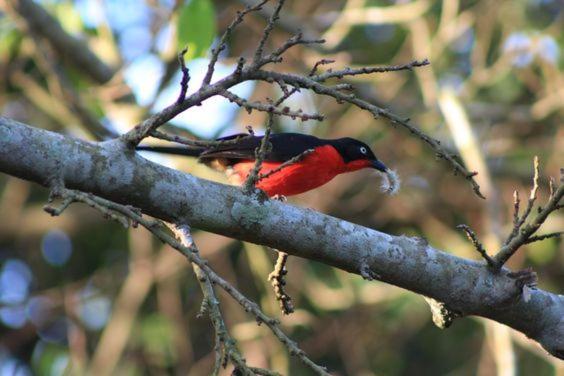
[[196, 27], [49, 359], [69, 17]]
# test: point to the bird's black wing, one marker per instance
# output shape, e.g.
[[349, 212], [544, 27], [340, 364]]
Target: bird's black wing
[[284, 147]]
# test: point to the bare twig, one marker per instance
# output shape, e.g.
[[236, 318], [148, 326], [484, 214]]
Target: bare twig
[[260, 154], [221, 45], [312, 84], [225, 347], [185, 77], [551, 188], [196, 143], [368, 70], [295, 89], [58, 210], [189, 250], [69, 197], [538, 238], [289, 162], [523, 233], [257, 59], [477, 244], [516, 205], [270, 108], [278, 281], [178, 139], [318, 64], [276, 56], [517, 220]]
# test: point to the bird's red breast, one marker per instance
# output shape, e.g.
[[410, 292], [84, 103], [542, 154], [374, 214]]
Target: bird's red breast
[[314, 170], [236, 154]]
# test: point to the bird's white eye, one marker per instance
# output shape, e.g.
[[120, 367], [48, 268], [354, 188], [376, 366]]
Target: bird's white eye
[[363, 150]]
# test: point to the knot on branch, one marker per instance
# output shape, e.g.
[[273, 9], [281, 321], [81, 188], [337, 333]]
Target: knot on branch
[[442, 315]]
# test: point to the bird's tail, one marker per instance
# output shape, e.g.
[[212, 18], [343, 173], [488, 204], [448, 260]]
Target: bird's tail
[[174, 150]]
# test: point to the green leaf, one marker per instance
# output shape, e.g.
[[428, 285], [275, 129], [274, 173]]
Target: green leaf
[[196, 27], [50, 359]]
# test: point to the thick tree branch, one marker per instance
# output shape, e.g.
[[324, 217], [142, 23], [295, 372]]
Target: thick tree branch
[[315, 82], [226, 349], [113, 171]]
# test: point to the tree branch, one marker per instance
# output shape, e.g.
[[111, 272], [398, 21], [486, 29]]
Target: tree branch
[[312, 84], [278, 280], [477, 244], [253, 72], [226, 349], [269, 108], [113, 171], [71, 49]]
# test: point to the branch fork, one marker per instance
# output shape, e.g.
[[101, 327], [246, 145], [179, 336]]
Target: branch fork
[[225, 347], [522, 233]]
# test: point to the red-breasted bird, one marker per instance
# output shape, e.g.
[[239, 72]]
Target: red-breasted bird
[[325, 160]]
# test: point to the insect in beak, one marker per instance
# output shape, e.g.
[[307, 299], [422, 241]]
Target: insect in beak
[[379, 165]]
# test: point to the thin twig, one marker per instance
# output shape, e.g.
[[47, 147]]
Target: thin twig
[[221, 45], [278, 281], [533, 194], [89, 200], [524, 233], [538, 238], [185, 76], [368, 70], [516, 207], [312, 84], [225, 345], [196, 143], [253, 72], [519, 221], [295, 89], [318, 64], [265, 34], [477, 244], [289, 162], [276, 56], [270, 108], [260, 154], [158, 229]]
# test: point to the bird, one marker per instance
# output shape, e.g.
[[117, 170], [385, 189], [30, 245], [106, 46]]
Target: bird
[[310, 162]]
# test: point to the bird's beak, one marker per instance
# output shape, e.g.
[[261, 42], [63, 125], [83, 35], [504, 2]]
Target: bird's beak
[[379, 165]]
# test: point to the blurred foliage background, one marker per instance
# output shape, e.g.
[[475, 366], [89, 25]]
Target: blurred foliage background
[[79, 293]]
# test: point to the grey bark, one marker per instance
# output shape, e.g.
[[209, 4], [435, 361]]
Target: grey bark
[[112, 171]]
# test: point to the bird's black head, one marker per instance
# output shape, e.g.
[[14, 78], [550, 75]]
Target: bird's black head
[[356, 154]]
